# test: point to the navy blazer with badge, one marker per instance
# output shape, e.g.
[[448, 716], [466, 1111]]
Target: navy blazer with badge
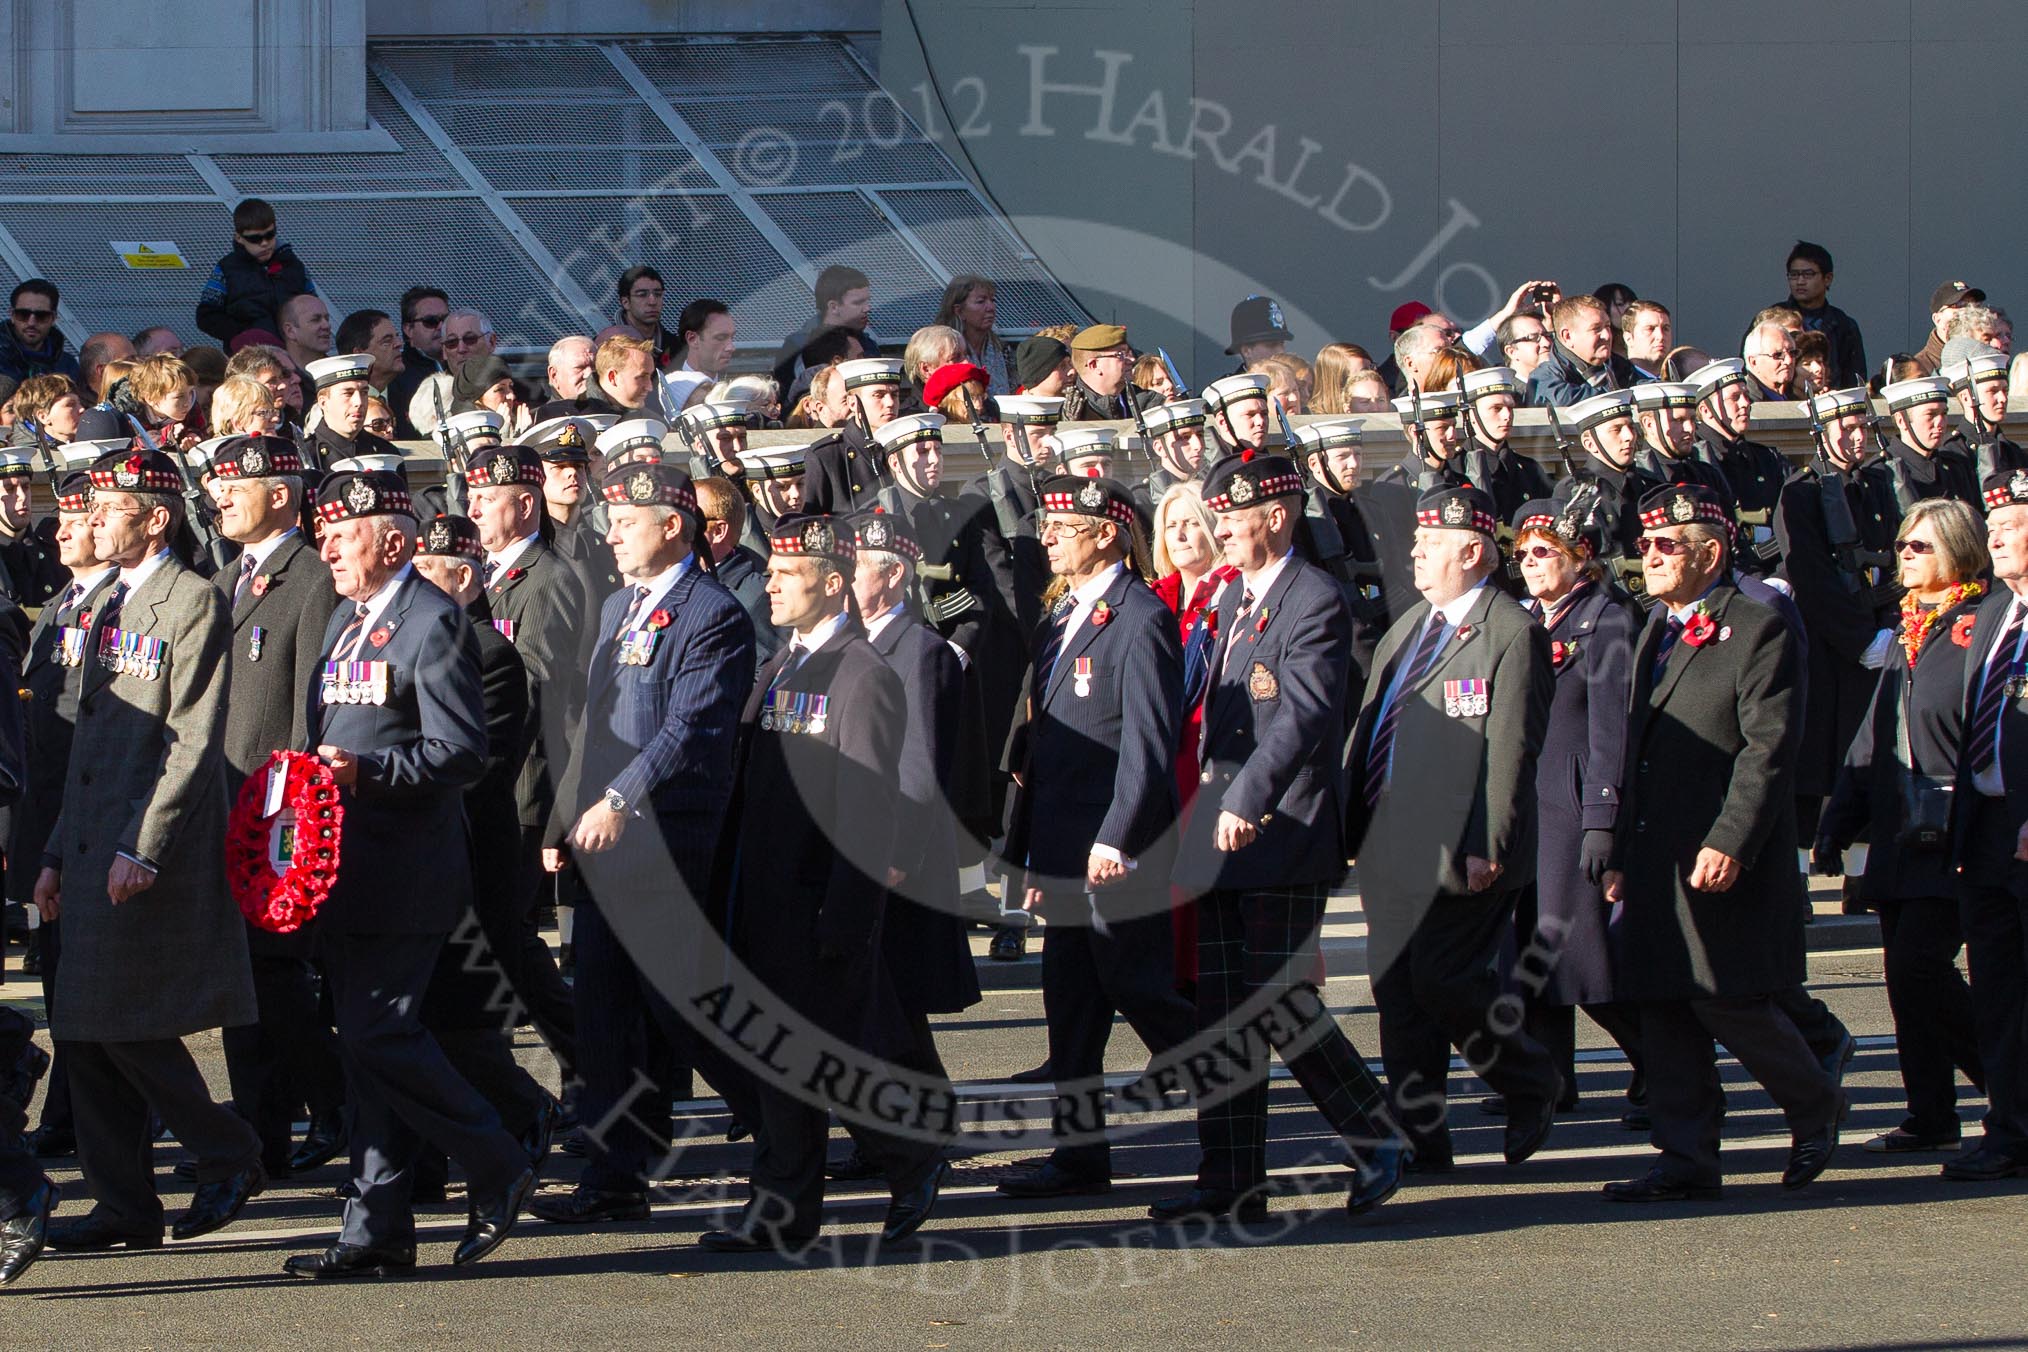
[[1274, 732], [1100, 752], [402, 861]]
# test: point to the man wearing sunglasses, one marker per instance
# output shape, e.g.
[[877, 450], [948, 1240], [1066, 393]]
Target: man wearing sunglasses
[[32, 344], [250, 285]]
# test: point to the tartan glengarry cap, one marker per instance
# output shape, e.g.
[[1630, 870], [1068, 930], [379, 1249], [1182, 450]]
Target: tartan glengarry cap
[[1683, 505], [1080, 495], [356, 493], [126, 471], [1460, 507], [2005, 488], [814, 536], [648, 483], [1249, 478], [887, 533], [451, 537], [74, 492], [504, 465], [1601, 409], [1906, 394], [1560, 520], [255, 458]]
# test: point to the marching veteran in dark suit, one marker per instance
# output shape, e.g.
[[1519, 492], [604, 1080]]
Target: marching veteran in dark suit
[[1707, 901], [154, 949], [647, 792], [1442, 821], [280, 597], [821, 742], [1265, 844], [1095, 820], [1989, 837], [397, 714]]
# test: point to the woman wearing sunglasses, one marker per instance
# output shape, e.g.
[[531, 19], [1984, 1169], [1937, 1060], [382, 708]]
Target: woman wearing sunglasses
[[1560, 921], [1891, 789]]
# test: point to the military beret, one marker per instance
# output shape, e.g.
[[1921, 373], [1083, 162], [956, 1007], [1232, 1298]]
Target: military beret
[[1830, 405], [1459, 507], [772, 462], [947, 378], [1099, 338], [1222, 394], [356, 493], [2005, 488], [1036, 358], [1488, 380], [1659, 394], [909, 429], [813, 536], [1074, 443], [886, 532], [1328, 436], [1714, 376], [1082, 495], [1601, 409], [1251, 477], [648, 483], [126, 471], [1030, 410], [1257, 319], [1173, 416], [1982, 368], [561, 441], [504, 465], [328, 371], [74, 492], [865, 371], [16, 463], [1907, 394], [477, 424], [450, 537], [1681, 505], [632, 439], [1430, 406], [255, 458]]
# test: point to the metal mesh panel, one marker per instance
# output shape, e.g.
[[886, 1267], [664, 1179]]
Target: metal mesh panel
[[70, 244], [543, 71], [700, 244], [695, 69], [840, 227], [93, 174], [416, 167], [964, 238]]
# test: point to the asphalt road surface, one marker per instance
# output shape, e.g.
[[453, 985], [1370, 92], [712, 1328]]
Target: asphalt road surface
[[1880, 1253]]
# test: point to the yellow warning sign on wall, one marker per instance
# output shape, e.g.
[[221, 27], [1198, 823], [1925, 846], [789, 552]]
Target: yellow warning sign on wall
[[152, 253]]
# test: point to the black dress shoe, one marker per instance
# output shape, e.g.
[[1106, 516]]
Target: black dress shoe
[[1009, 944], [854, 1168], [1984, 1165], [1839, 1059], [1902, 1141], [19, 1081], [1210, 1204], [1809, 1156], [1379, 1177], [907, 1212], [573, 1145], [352, 1260], [541, 1134], [87, 1233], [1656, 1187], [743, 1238], [1637, 1118], [590, 1204], [1528, 1127], [21, 1239], [736, 1130], [1041, 1074], [52, 1143], [492, 1220], [1049, 1179], [214, 1205], [322, 1143]]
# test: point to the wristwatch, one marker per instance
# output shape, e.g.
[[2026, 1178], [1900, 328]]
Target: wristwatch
[[615, 803]]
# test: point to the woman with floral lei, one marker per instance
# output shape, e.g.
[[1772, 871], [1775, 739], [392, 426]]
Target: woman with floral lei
[[1911, 737], [1561, 918]]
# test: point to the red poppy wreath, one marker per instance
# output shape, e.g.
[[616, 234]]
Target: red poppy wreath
[[281, 865]]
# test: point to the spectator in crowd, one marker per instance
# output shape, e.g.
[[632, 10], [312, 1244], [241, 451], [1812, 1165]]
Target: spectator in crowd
[[271, 367], [1330, 373], [485, 382], [2017, 379], [1406, 316], [971, 306], [1681, 361], [929, 349], [1809, 269], [1770, 353], [1042, 366], [1531, 298], [640, 296], [111, 374], [244, 406], [1415, 349], [46, 408], [1616, 297], [467, 334], [379, 418], [207, 369], [167, 396], [1150, 374], [1944, 302], [32, 344], [1981, 324], [707, 330], [844, 299], [423, 311], [1645, 333], [251, 285], [569, 381], [1813, 365], [158, 338], [1525, 343], [626, 376], [99, 351], [306, 329], [1288, 380], [1366, 392], [373, 333], [1582, 363]]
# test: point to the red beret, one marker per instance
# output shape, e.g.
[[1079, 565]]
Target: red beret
[[947, 378], [1407, 315]]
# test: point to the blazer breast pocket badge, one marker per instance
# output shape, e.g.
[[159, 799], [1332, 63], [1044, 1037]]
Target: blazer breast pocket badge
[[129, 654], [1261, 683], [1466, 699]]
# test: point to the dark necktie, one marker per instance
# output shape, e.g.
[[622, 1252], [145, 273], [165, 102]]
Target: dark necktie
[[1232, 635], [71, 596], [109, 613], [633, 611], [1983, 737], [246, 572], [492, 569], [349, 636], [1670, 634], [1052, 642], [1380, 754]]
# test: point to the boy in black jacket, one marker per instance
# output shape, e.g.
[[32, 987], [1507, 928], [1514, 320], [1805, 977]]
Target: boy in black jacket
[[251, 284]]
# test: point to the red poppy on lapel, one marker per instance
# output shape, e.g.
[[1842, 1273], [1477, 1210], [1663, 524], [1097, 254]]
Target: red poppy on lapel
[[1561, 652], [1260, 625], [659, 620], [1464, 632], [1961, 632], [1101, 614], [1698, 630], [514, 575], [259, 586], [378, 638]]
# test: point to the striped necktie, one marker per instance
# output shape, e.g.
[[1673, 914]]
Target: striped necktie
[[1380, 755], [1982, 738], [1672, 632]]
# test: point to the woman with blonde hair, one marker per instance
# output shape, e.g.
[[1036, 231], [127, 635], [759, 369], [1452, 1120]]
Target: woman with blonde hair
[[1331, 372], [1151, 374], [970, 307], [1288, 381], [244, 406]]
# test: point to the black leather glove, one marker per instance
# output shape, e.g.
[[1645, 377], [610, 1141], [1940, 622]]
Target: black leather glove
[[1594, 856], [1827, 860]]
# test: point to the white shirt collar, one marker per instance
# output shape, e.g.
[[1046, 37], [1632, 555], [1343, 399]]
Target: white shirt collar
[[377, 604], [133, 577], [506, 557], [882, 620], [88, 579], [815, 640], [1258, 584], [262, 552], [1088, 593], [1455, 609], [658, 586], [1683, 613]]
